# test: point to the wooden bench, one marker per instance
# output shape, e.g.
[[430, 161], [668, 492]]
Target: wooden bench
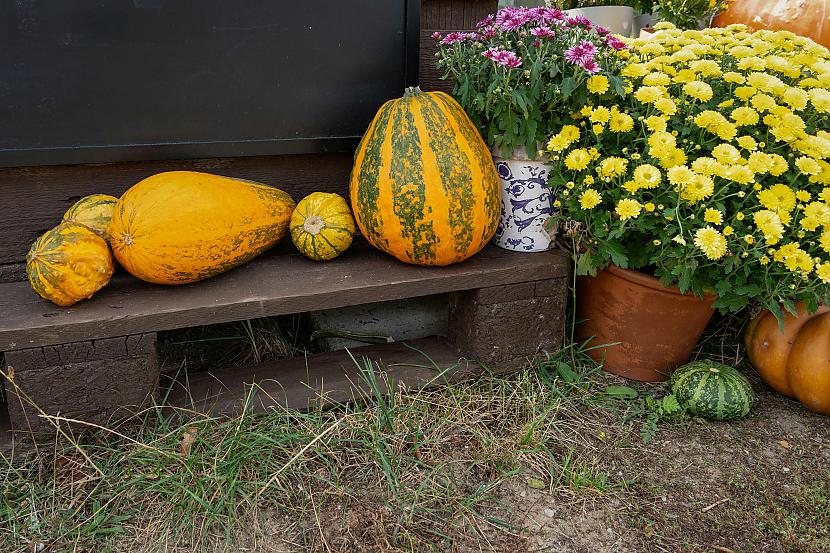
[[90, 360]]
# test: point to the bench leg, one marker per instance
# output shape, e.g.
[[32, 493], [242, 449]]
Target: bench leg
[[90, 381], [505, 326]]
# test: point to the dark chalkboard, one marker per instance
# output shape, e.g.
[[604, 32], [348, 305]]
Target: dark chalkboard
[[90, 81]]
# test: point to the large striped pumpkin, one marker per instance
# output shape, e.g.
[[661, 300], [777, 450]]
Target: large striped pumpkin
[[182, 226], [424, 187]]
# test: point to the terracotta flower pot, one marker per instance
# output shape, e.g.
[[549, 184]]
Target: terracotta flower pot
[[653, 328]]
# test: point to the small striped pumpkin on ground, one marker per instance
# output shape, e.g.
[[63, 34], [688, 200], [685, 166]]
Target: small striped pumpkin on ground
[[94, 211], [712, 390], [424, 187]]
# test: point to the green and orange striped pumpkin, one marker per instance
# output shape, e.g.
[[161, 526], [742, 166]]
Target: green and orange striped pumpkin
[[712, 390], [424, 187], [68, 264]]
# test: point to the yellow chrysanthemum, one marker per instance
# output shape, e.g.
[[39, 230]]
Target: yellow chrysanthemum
[[823, 272], [648, 176], [620, 122], [600, 114], [628, 209], [612, 166], [699, 189], [598, 84], [656, 123], [590, 199], [808, 165], [648, 94], [570, 133], [727, 153], [711, 242], [577, 160], [770, 225], [744, 116], [714, 216], [747, 143], [698, 90]]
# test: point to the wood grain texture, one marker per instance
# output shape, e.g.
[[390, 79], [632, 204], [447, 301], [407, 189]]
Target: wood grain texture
[[279, 282], [36, 198], [324, 378]]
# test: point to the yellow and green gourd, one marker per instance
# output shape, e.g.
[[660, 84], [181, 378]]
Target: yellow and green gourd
[[322, 226], [68, 264], [424, 187], [94, 211], [182, 226]]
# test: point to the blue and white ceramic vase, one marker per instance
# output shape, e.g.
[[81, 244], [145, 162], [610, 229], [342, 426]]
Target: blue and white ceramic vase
[[526, 203]]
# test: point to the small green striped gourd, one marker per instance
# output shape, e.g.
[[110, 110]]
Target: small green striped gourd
[[424, 187], [94, 211], [712, 390]]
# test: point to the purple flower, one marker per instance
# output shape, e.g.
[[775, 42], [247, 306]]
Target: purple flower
[[436, 35], [579, 21], [590, 66], [615, 43], [553, 14], [581, 54], [537, 43], [601, 31], [510, 19], [503, 57], [486, 21], [487, 33], [454, 37], [542, 32]]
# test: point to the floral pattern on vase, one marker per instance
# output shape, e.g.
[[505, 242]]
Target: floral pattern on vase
[[526, 203]]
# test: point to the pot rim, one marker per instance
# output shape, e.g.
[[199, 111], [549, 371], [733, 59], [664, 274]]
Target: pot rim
[[649, 281]]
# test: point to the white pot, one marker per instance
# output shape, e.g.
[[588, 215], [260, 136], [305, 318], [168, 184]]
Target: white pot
[[643, 21], [617, 19], [526, 203]]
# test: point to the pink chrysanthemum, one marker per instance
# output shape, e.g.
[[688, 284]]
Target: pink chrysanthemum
[[581, 54], [579, 21], [487, 33], [486, 21], [454, 37], [615, 43], [436, 35], [542, 32]]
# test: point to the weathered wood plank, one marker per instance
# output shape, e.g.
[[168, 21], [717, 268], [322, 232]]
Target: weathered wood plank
[[35, 198], [325, 378], [276, 283]]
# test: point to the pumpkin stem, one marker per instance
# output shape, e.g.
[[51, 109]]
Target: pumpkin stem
[[412, 91], [314, 225]]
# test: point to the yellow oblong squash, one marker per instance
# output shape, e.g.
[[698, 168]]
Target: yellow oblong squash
[[322, 226], [183, 226], [68, 264]]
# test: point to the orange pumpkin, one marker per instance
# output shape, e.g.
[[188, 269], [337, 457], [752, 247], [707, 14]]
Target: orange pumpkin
[[803, 17], [796, 362]]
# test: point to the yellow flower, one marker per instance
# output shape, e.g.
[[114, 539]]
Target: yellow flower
[[823, 272], [570, 133], [649, 207], [656, 123], [824, 241], [815, 214], [734, 77], [557, 143], [612, 167], [598, 128], [803, 196], [590, 199], [666, 106], [577, 160], [628, 209], [711, 242], [598, 84], [808, 165], [713, 216], [747, 143], [728, 231], [739, 216], [726, 131], [698, 90], [600, 114], [620, 122], [744, 116], [588, 180], [569, 185], [656, 79], [648, 176], [648, 94], [779, 165], [820, 98], [681, 175], [671, 158], [726, 153], [764, 260], [661, 141], [778, 198], [770, 225], [699, 189], [796, 98], [749, 239]]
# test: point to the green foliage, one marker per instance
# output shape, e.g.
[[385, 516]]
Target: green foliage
[[687, 14], [657, 410]]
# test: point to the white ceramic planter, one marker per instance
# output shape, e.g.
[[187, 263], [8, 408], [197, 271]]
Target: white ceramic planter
[[617, 19], [526, 203]]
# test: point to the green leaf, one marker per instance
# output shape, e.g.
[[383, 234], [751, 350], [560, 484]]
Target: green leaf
[[566, 373], [567, 86], [536, 484], [621, 392], [585, 265]]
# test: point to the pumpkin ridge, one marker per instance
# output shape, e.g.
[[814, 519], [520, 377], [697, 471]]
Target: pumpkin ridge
[[409, 193]]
